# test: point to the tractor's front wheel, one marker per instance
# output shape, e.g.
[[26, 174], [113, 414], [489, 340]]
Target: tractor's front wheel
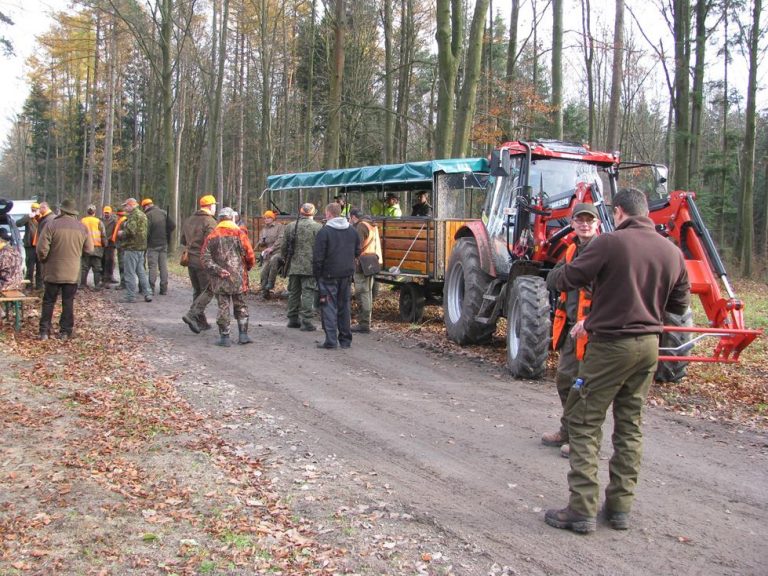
[[669, 371], [527, 327], [465, 284]]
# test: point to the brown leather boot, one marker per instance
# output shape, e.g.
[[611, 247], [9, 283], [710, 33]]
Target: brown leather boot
[[554, 438]]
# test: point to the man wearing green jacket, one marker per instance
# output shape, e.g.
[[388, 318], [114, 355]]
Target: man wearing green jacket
[[133, 238]]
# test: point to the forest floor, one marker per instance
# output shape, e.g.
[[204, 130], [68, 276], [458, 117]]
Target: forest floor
[[138, 447]]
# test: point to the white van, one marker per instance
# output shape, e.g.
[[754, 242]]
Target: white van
[[21, 208]]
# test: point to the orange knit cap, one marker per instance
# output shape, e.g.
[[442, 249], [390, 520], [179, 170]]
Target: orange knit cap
[[270, 214], [146, 202]]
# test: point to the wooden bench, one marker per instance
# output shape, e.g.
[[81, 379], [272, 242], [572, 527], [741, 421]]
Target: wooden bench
[[15, 299]]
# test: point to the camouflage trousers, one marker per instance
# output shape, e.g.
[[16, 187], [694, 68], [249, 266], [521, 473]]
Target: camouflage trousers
[[239, 307], [617, 372]]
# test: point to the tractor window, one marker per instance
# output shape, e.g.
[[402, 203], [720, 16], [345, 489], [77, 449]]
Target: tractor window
[[459, 195], [555, 179]]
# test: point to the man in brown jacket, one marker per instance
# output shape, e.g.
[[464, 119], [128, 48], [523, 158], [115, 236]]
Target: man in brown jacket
[[194, 232], [60, 249]]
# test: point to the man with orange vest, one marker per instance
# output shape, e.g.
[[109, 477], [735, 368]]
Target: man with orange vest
[[108, 261], [571, 310], [92, 260], [115, 240], [44, 216], [370, 244]]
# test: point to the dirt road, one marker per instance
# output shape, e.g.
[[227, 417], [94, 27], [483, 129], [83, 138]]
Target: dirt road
[[419, 462]]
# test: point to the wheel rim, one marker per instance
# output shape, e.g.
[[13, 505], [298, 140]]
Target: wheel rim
[[513, 330], [456, 293]]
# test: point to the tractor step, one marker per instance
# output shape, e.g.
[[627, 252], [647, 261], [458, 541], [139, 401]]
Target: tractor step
[[490, 306]]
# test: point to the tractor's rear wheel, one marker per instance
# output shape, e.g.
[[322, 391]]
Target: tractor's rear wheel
[[527, 327], [465, 284], [669, 371]]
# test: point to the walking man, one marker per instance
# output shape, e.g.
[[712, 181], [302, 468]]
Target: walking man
[[60, 248], [333, 264], [296, 249], [133, 238], [228, 256], [158, 237], [572, 309], [370, 243], [636, 275], [195, 230]]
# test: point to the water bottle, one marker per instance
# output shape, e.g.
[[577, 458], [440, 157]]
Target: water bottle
[[578, 383]]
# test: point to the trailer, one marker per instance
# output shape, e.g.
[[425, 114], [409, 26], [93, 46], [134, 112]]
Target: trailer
[[415, 249]]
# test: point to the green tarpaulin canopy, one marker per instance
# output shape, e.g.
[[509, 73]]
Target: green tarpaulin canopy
[[386, 176]]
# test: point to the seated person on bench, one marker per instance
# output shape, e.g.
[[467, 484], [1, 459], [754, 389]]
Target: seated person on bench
[[11, 277]]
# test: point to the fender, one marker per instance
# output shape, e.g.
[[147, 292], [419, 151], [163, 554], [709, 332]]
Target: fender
[[476, 229]]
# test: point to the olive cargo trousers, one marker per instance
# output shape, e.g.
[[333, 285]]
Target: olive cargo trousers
[[619, 372]]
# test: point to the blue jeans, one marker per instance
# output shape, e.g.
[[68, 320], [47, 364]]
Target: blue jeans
[[135, 273]]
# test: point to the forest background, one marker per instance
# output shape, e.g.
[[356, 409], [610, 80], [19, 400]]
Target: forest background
[[174, 99]]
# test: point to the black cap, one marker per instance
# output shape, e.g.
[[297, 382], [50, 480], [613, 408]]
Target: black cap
[[356, 212]]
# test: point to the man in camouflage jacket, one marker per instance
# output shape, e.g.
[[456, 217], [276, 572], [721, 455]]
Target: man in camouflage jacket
[[133, 240], [228, 256], [302, 287]]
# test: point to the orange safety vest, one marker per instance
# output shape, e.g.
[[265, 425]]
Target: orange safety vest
[[92, 223], [561, 317], [36, 236], [117, 228], [373, 242]]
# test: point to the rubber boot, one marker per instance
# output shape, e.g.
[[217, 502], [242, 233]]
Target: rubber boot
[[97, 280], [223, 338], [242, 326]]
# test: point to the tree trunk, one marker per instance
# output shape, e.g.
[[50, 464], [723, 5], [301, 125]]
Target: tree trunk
[[309, 116], [106, 176], [166, 84], [266, 39], [511, 64], [614, 112], [468, 100], [588, 46], [388, 85], [747, 223], [681, 27], [697, 95], [407, 41], [91, 155], [557, 69], [333, 133], [449, 34]]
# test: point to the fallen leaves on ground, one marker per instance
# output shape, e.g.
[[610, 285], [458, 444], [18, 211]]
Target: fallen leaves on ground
[[106, 469]]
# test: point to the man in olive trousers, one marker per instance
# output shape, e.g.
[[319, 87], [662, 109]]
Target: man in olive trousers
[[636, 275]]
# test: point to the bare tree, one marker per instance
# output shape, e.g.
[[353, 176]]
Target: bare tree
[[614, 124], [557, 69]]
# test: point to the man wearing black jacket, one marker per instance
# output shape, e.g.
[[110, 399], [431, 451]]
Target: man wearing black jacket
[[158, 237], [333, 265]]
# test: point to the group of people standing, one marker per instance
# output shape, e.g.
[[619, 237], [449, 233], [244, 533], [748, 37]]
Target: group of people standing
[[61, 251], [320, 262]]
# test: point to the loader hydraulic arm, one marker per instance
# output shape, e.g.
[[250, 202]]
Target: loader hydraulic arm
[[680, 219]]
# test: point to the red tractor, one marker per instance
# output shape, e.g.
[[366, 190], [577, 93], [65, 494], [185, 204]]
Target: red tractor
[[499, 264]]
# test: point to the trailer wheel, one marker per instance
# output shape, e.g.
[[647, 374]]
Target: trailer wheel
[[465, 284], [412, 301], [528, 327], [674, 371]]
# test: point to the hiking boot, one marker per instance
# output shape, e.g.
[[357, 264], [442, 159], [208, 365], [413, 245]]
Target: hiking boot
[[202, 322], [64, 336], [554, 438], [360, 329], [127, 300], [567, 519], [565, 450], [43, 336], [307, 327], [147, 298], [266, 294], [326, 346], [293, 323], [617, 520], [192, 323]]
